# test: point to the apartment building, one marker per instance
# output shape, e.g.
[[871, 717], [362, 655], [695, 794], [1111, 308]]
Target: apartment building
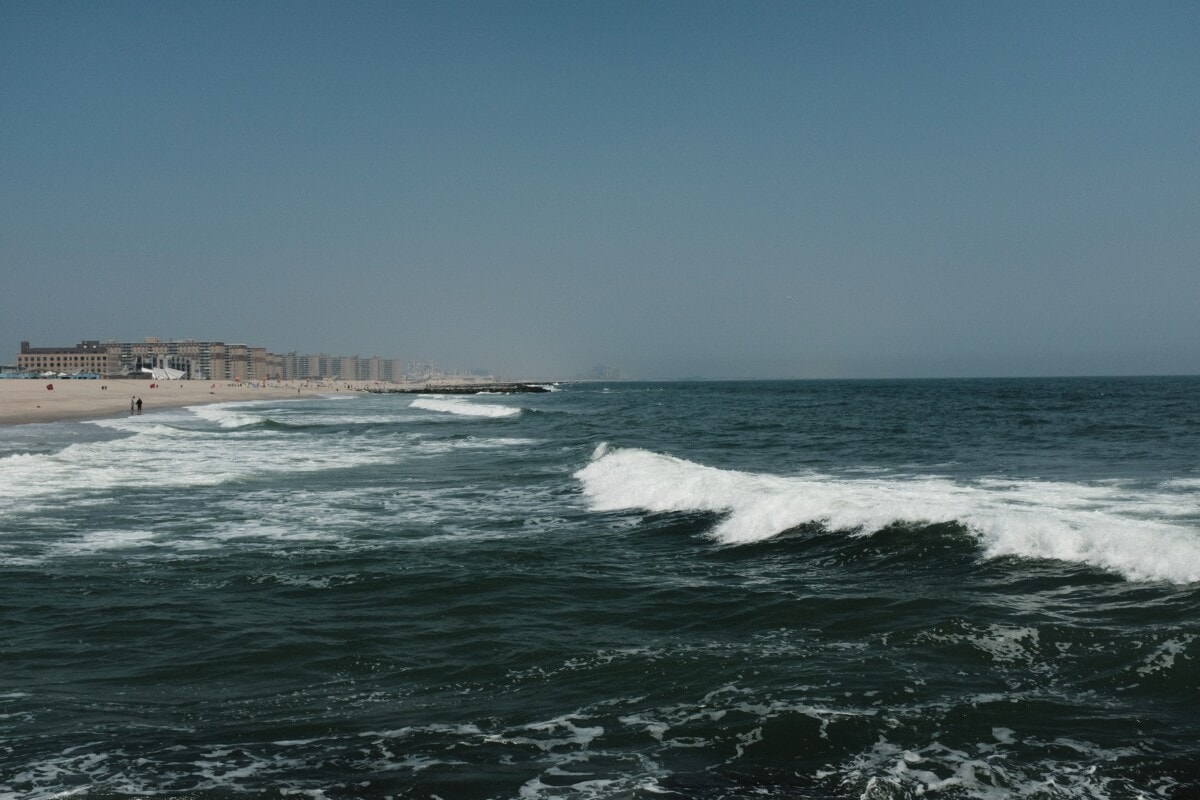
[[197, 360], [216, 361]]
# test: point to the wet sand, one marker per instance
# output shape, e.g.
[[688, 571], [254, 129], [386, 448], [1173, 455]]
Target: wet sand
[[25, 401]]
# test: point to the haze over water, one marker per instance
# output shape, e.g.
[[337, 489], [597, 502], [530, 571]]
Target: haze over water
[[873, 589], [533, 188]]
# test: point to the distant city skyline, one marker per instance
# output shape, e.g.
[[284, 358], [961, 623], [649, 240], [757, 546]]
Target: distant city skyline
[[172, 359], [731, 190], [326, 363]]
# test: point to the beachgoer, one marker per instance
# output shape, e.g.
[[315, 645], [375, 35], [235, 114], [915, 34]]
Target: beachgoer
[[139, 405], [131, 405]]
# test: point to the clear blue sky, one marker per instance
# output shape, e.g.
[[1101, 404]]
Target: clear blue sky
[[738, 189]]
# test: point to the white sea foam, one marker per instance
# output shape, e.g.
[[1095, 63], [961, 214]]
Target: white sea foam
[[1004, 644], [1163, 657], [226, 416], [1183, 483], [99, 541], [987, 770], [1102, 526], [439, 446], [167, 455], [551, 734], [466, 408]]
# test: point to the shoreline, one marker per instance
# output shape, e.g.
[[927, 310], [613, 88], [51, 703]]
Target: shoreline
[[28, 401], [24, 402]]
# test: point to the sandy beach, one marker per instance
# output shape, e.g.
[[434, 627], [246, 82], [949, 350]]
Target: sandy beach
[[25, 401]]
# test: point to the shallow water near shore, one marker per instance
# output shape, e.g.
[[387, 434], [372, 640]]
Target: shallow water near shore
[[880, 589]]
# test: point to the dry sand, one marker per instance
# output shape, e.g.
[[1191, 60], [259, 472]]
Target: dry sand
[[23, 401]]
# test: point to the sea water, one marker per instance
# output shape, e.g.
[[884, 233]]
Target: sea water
[[983, 588]]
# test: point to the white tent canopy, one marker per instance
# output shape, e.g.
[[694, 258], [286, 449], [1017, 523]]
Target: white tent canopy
[[163, 373]]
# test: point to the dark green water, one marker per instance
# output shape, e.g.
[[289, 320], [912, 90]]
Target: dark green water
[[833, 589]]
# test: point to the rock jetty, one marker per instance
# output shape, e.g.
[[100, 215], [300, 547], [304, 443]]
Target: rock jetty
[[463, 388]]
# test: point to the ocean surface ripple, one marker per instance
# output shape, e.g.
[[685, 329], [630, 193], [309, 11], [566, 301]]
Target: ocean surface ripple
[[861, 589]]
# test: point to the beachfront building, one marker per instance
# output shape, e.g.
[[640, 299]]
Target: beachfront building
[[294, 367], [380, 369], [198, 360], [188, 358], [243, 362], [344, 368], [322, 366], [306, 367], [370, 369], [193, 359], [206, 361], [216, 361], [88, 356]]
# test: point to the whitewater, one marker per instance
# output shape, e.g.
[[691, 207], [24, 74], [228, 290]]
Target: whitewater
[[1105, 526], [860, 589]]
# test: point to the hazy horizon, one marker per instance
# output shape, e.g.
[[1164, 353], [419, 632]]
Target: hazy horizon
[[735, 191]]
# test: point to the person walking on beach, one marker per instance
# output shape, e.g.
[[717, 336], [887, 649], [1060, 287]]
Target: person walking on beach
[[139, 405], [131, 405]]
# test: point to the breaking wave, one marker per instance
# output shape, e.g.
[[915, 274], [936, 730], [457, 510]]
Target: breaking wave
[[226, 415], [456, 405], [1068, 522]]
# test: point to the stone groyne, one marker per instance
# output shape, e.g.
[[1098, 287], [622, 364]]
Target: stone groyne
[[463, 388]]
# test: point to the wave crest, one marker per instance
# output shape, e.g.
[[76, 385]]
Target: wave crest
[[455, 405], [1067, 522]]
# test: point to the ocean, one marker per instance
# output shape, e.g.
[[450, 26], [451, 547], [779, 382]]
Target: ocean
[[825, 589]]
